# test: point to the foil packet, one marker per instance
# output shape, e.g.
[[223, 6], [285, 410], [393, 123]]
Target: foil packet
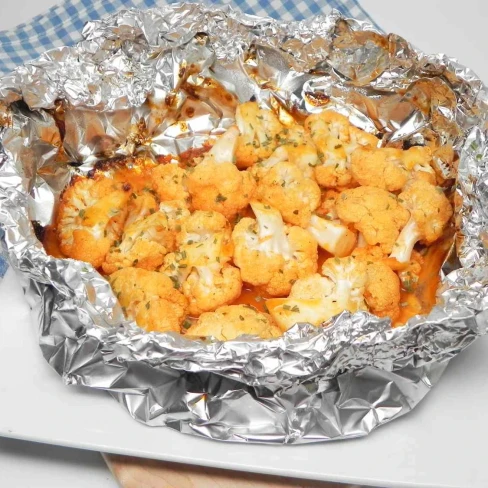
[[151, 82]]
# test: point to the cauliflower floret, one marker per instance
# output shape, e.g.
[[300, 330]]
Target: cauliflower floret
[[327, 206], [271, 255], [311, 301], [336, 139], [390, 168], [91, 217], [144, 244], [363, 279], [216, 184], [169, 182], [430, 212], [202, 227], [150, 299], [375, 213], [369, 253], [229, 322], [259, 130], [215, 248], [283, 185], [176, 212], [199, 267], [382, 291], [140, 206], [304, 156], [211, 286], [332, 236], [382, 168], [348, 276], [316, 298], [418, 160]]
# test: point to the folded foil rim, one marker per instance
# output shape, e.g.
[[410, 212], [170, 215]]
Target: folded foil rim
[[311, 384]]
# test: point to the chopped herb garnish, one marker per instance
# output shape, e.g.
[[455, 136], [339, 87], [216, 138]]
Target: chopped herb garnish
[[81, 213], [148, 306], [220, 198], [187, 324]]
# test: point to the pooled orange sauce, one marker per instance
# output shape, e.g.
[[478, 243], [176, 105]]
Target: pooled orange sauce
[[252, 296], [51, 243], [423, 298]]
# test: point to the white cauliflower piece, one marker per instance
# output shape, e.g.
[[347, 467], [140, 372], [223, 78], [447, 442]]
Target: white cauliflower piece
[[91, 216], [336, 139], [281, 183], [216, 183], [199, 268], [317, 298], [332, 236], [271, 255]]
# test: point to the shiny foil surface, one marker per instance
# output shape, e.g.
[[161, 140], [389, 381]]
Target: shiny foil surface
[[150, 82]]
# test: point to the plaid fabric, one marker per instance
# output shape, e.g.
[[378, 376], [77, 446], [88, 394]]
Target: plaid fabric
[[61, 25]]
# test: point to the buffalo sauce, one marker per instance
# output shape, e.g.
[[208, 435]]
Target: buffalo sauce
[[423, 298], [51, 242], [251, 295]]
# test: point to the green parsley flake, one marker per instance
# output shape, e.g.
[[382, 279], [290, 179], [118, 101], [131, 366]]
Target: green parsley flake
[[220, 198]]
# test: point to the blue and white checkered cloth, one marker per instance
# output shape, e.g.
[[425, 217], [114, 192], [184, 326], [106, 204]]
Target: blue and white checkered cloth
[[62, 25]]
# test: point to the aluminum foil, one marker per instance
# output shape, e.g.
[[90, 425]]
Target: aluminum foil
[[152, 81]]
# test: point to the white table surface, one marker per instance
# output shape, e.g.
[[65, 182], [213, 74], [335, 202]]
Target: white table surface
[[425, 441]]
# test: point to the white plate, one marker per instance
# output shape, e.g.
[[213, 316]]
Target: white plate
[[440, 444]]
